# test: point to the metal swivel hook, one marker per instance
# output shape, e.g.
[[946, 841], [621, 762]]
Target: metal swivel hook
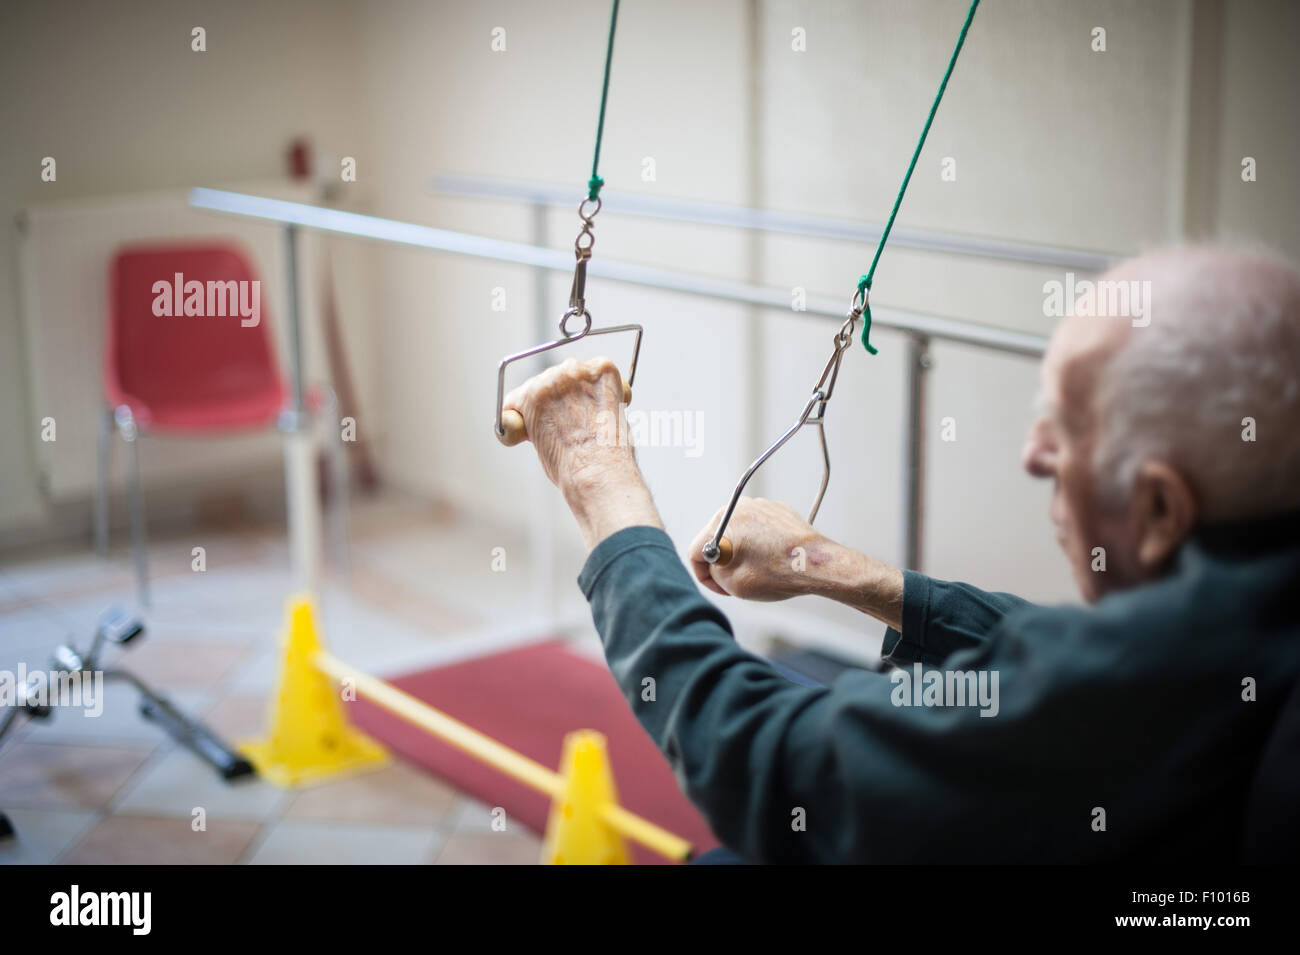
[[718, 549], [509, 425]]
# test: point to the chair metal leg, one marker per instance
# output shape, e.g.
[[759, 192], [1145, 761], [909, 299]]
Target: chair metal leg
[[339, 483], [135, 502], [101, 484]]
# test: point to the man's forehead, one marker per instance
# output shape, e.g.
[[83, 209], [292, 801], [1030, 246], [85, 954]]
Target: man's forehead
[[1079, 349]]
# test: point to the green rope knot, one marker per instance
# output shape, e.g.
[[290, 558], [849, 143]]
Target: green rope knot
[[866, 330], [864, 286], [593, 187]]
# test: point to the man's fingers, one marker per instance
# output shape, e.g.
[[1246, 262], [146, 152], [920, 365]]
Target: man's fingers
[[599, 366], [706, 534], [712, 584], [515, 399], [702, 538], [522, 395], [556, 379], [701, 568], [702, 573]]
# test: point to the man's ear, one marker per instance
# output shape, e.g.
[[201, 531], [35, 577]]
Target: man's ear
[[1164, 513]]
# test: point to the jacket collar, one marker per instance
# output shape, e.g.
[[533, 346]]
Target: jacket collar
[[1251, 536]]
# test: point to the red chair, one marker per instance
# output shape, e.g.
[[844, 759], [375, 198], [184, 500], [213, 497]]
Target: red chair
[[168, 372]]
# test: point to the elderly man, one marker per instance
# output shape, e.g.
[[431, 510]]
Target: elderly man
[[1131, 729]]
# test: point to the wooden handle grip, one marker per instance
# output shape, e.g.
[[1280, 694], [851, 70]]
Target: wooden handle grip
[[516, 432], [512, 422], [725, 552]]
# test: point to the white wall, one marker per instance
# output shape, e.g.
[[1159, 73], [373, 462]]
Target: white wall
[[1259, 116]]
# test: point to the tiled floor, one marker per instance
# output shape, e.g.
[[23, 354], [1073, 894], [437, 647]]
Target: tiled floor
[[115, 789]]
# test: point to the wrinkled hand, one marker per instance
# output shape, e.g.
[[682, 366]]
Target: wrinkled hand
[[572, 413], [774, 551]]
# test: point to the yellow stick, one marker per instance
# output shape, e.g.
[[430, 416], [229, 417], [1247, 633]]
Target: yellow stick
[[501, 757]]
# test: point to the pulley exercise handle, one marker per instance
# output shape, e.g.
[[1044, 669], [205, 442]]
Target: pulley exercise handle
[[509, 425], [718, 549]]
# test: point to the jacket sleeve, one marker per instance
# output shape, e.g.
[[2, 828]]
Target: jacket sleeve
[[847, 773], [940, 618]]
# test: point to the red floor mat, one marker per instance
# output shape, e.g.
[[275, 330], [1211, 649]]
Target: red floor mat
[[528, 698]]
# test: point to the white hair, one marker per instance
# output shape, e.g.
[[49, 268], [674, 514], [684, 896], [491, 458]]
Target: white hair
[[1221, 354]]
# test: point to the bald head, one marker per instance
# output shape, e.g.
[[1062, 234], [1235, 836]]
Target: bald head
[[1211, 384], [1180, 407]]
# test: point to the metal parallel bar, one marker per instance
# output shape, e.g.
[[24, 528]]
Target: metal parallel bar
[[295, 323], [102, 449], [791, 223], [427, 237], [302, 501], [135, 506], [500, 757], [918, 364], [541, 520], [339, 478]]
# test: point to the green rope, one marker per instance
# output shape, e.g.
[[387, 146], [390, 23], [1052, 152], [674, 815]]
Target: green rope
[[595, 182], [864, 283]]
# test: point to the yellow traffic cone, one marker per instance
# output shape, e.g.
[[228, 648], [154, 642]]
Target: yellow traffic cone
[[576, 832], [311, 738]]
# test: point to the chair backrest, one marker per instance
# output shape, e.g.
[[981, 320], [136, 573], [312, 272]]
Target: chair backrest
[[1272, 823], [194, 355]]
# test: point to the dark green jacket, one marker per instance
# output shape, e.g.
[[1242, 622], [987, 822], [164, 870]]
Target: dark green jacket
[[1133, 708]]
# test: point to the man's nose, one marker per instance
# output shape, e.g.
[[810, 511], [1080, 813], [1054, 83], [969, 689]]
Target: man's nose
[[1039, 455]]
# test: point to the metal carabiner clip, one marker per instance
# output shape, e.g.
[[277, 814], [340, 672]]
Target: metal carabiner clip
[[719, 550], [510, 428]]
